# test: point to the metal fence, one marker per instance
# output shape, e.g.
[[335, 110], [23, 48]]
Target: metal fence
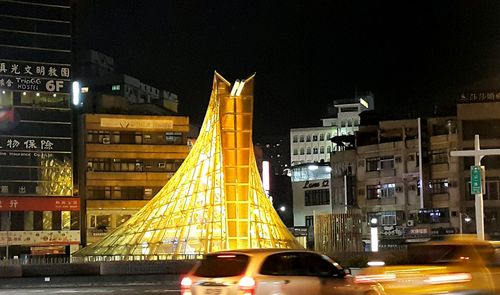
[[92, 259]]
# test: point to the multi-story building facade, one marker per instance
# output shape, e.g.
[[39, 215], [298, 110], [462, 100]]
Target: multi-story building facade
[[133, 142], [126, 160], [478, 112], [313, 144], [390, 171], [39, 213]]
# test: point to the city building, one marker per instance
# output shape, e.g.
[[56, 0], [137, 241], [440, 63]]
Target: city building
[[107, 91], [126, 160], [311, 149], [39, 213], [313, 144], [478, 112], [389, 170]]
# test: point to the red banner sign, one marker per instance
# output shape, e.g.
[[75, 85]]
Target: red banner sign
[[39, 204]]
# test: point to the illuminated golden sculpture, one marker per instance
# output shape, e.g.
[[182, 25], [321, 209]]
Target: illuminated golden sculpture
[[56, 177], [215, 201]]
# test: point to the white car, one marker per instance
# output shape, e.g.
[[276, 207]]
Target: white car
[[270, 271]]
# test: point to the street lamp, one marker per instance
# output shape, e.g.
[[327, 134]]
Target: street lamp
[[374, 234], [467, 219]]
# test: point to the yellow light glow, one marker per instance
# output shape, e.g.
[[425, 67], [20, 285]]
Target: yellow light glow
[[215, 201]]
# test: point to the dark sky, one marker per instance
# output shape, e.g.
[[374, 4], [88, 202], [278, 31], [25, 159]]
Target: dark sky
[[407, 53]]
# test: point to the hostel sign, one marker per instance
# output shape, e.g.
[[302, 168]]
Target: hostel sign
[[20, 76]]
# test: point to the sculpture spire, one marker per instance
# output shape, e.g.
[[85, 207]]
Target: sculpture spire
[[215, 200]]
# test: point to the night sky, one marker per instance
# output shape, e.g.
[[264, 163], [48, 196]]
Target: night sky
[[410, 54]]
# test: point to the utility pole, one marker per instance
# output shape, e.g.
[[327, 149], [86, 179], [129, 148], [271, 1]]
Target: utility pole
[[478, 154]]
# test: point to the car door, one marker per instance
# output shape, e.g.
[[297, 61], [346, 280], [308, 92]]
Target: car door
[[330, 274], [286, 273]]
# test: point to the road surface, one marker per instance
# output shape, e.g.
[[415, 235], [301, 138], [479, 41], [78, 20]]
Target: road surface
[[101, 290]]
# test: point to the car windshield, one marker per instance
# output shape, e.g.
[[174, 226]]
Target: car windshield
[[222, 265], [443, 254]]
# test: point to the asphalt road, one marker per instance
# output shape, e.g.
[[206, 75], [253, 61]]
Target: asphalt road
[[104, 290]]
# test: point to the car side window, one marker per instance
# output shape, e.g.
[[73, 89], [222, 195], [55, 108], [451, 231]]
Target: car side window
[[318, 266], [284, 264]]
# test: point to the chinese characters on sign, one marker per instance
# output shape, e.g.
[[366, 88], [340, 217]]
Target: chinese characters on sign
[[485, 96], [35, 77], [28, 144], [39, 204]]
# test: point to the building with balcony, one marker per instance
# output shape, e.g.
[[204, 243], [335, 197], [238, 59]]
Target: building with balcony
[[478, 112], [313, 144], [126, 160]]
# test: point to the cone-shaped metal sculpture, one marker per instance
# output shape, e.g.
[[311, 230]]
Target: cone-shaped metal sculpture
[[215, 201]]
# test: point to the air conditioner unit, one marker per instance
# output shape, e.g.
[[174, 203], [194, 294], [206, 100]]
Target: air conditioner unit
[[106, 140], [410, 223], [161, 165]]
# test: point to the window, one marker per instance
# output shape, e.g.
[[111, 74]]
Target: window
[[308, 151], [66, 220], [37, 220], [439, 156], [309, 221], [388, 218], [120, 219], [317, 197], [284, 264], [315, 137], [328, 149], [301, 151], [322, 150], [47, 220], [295, 152], [438, 215], [234, 265], [439, 186], [16, 220], [56, 220], [302, 138], [308, 138], [103, 222], [321, 137], [173, 137], [387, 163], [387, 190], [315, 151], [372, 164], [295, 138], [328, 136], [492, 190]]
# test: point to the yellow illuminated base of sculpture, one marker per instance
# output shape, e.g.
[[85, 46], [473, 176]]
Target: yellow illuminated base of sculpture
[[215, 201]]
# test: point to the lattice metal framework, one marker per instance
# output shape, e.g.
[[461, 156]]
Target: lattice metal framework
[[215, 201]]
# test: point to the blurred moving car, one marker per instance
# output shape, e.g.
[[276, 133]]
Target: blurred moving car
[[270, 271], [459, 265]]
